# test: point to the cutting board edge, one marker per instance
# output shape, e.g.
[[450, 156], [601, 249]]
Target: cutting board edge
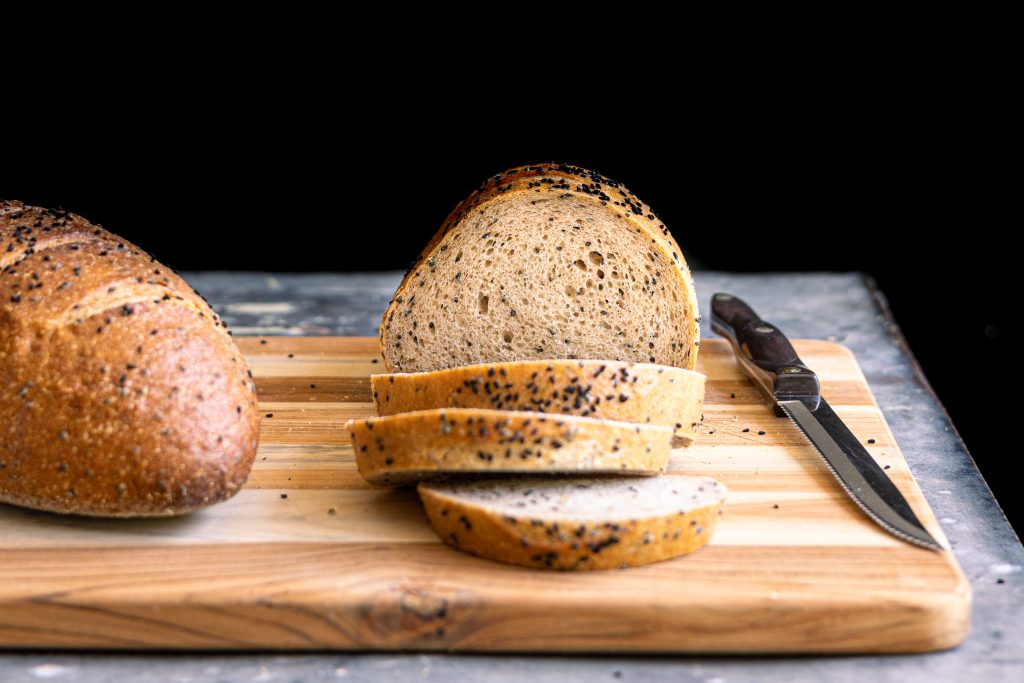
[[394, 614], [944, 627]]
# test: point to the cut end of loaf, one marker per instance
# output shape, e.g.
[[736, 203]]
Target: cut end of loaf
[[576, 523], [545, 262]]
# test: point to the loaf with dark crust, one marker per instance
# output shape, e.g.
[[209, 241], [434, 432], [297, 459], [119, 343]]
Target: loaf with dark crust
[[402, 449], [545, 261], [610, 390], [575, 523], [121, 391]]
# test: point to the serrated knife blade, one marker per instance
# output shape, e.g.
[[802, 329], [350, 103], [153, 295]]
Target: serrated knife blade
[[768, 358]]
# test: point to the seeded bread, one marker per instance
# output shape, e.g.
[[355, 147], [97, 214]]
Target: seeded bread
[[545, 261], [612, 390], [575, 523], [402, 449], [121, 393]]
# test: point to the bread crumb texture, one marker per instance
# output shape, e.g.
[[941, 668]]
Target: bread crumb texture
[[121, 391], [545, 261], [575, 523]]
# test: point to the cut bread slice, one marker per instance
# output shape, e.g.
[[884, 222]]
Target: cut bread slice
[[611, 390], [402, 449], [575, 523], [545, 261]]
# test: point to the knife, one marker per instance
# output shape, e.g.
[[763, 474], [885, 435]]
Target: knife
[[766, 356]]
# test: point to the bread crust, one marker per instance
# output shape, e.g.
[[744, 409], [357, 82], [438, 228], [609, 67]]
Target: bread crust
[[613, 390], [121, 391], [565, 180], [402, 449], [552, 541]]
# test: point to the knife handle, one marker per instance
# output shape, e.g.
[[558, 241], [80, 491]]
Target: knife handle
[[764, 353]]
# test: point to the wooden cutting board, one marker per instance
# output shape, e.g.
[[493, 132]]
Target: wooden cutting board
[[310, 557]]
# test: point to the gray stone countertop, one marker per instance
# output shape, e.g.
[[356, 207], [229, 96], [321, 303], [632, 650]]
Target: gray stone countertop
[[846, 308]]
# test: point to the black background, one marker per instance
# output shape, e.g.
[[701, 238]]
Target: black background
[[906, 185]]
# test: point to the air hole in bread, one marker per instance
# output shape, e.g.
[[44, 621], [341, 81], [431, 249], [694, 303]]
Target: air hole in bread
[[596, 258], [482, 303], [507, 336], [581, 265]]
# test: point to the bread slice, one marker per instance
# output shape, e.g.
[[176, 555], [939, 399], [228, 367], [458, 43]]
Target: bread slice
[[575, 523], [402, 449], [545, 261], [612, 390]]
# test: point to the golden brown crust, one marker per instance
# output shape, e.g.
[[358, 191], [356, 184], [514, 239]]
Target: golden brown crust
[[121, 393], [630, 392], [557, 544], [402, 449], [565, 180]]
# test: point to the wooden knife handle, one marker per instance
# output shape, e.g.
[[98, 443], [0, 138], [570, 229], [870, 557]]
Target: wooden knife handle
[[764, 352]]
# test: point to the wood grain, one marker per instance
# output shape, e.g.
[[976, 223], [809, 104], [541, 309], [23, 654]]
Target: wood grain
[[310, 557]]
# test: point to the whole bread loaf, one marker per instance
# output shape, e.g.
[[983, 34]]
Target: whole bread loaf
[[545, 261], [121, 391], [611, 390]]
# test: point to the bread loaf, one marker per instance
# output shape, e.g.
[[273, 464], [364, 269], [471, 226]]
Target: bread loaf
[[406, 448], [121, 392], [611, 390], [545, 261], [574, 523]]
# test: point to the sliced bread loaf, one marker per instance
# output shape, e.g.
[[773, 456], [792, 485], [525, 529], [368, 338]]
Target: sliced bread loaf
[[402, 449], [545, 261], [575, 523], [612, 390]]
